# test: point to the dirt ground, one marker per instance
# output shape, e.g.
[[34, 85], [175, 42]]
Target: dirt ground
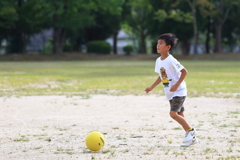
[[135, 127]]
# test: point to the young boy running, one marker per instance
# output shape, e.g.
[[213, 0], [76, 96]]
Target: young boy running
[[172, 74]]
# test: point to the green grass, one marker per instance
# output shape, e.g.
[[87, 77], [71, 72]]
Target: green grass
[[118, 77], [216, 78]]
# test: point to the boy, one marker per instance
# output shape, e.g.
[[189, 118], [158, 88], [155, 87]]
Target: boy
[[172, 74]]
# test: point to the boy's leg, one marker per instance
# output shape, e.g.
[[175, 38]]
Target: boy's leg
[[180, 119], [177, 113], [177, 110], [181, 114]]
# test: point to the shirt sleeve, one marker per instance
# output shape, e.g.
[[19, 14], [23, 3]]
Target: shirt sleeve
[[177, 65], [157, 69]]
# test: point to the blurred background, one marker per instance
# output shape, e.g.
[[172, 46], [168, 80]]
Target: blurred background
[[118, 27]]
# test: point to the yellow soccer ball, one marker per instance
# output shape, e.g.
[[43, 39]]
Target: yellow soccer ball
[[95, 141]]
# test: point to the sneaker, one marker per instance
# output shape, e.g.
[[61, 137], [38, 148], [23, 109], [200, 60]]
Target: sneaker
[[191, 142], [189, 135]]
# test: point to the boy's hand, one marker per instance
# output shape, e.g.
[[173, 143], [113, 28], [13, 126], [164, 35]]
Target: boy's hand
[[148, 89], [174, 88]]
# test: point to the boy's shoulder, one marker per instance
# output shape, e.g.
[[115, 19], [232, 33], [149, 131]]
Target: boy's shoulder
[[172, 58], [169, 58]]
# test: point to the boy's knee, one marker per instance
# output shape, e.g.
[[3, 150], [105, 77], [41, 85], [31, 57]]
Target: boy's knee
[[173, 114]]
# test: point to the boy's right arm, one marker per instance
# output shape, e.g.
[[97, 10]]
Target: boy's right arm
[[148, 89]]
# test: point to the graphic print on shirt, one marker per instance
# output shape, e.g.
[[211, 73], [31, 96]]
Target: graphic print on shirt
[[165, 79]]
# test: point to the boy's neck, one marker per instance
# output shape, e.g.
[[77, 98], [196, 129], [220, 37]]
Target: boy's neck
[[164, 55]]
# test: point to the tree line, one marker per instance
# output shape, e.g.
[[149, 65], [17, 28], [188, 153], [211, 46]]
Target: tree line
[[214, 22]]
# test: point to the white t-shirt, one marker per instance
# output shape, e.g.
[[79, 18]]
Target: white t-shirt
[[169, 72]]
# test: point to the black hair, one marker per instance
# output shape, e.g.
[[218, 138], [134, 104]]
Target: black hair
[[169, 38]]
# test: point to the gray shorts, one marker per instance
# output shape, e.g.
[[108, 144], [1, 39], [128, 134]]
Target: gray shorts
[[176, 104]]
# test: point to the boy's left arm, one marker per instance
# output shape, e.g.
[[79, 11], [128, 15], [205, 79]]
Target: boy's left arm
[[183, 75]]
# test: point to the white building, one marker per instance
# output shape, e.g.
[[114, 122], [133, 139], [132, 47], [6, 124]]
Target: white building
[[123, 39], [3, 46]]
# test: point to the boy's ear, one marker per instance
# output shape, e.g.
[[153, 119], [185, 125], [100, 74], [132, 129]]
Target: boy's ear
[[169, 47]]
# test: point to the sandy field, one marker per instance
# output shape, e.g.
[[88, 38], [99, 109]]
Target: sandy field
[[135, 127]]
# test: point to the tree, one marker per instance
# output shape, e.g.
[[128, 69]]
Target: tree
[[120, 19], [73, 16], [231, 30], [23, 19], [140, 19], [107, 23], [67, 15], [220, 15], [172, 16], [193, 5], [8, 17], [205, 21]]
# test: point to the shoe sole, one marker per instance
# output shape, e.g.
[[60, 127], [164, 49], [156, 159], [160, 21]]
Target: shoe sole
[[195, 142]]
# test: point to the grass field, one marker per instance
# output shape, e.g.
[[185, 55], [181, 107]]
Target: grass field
[[115, 77]]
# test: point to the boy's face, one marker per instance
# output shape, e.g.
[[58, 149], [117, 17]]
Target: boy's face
[[162, 47]]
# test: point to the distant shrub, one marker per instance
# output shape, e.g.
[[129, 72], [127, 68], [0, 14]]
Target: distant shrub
[[67, 47], [128, 49], [99, 47], [48, 47]]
